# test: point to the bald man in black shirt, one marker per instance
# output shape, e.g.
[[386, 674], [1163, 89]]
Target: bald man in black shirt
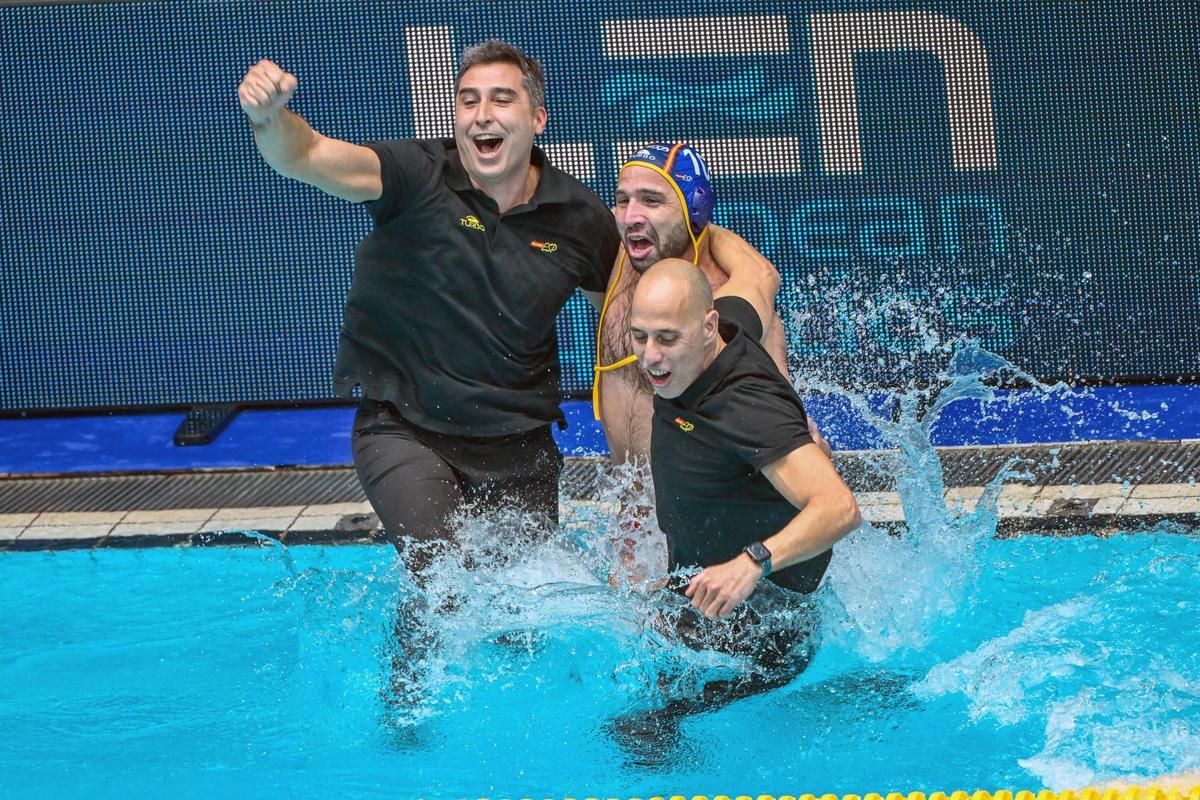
[[742, 491]]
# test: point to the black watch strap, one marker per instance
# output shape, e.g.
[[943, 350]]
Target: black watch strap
[[760, 555]]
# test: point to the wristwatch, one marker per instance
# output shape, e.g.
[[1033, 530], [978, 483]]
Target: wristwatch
[[760, 555]]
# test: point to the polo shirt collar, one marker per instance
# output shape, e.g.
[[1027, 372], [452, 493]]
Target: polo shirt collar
[[716, 372], [553, 186]]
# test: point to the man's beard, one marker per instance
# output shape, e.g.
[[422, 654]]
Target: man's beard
[[673, 243]]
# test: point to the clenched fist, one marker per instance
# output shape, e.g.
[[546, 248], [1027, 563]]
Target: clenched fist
[[265, 89]]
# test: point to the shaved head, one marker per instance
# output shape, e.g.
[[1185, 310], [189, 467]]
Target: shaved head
[[676, 282], [673, 325]]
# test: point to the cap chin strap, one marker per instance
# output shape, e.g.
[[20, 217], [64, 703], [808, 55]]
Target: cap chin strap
[[630, 359], [600, 368]]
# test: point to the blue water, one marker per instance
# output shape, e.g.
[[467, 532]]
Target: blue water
[[252, 672], [948, 659]]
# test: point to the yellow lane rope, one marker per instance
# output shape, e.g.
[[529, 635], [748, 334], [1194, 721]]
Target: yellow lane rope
[[1149, 792]]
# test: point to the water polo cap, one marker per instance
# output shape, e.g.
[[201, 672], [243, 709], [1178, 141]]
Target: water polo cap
[[683, 168]]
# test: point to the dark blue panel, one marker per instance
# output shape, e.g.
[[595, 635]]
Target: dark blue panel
[[150, 257]]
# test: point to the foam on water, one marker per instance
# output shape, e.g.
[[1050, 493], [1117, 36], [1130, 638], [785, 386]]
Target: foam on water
[[1112, 674]]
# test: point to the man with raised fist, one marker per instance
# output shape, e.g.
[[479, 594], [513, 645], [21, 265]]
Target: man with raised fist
[[449, 335]]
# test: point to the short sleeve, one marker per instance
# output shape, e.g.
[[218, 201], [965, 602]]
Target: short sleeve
[[608, 242], [762, 420], [739, 311], [405, 168]]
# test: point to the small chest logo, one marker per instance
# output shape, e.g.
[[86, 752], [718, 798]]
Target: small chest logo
[[684, 425], [471, 221], [545, 247]]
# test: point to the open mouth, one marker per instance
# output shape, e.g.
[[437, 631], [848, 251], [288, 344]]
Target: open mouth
[[638, 246], [658, 377], [487, 145]]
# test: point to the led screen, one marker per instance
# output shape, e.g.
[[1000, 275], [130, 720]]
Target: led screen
[[1020, 173]]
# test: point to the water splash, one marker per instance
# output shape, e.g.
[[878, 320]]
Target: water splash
[[518, 614], [1110, 674], [889, 590]]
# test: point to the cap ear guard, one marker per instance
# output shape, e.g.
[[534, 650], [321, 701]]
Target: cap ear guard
[[700, 206]]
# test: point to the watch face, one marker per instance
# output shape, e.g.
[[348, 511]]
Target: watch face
[[758, 552]]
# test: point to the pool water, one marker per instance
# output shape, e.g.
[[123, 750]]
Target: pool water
[[948, 659], [264, 671]]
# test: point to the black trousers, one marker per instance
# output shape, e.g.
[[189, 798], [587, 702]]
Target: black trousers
[[418, 480], [774, 629]]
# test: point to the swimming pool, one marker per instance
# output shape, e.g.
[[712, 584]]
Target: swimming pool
[[1017, 663], [950, 658]]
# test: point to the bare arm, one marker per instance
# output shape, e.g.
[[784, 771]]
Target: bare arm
[[293, 149], [755, 279], [828, 512], [751, 276]]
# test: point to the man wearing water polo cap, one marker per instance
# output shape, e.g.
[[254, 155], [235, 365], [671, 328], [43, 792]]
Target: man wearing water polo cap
[[664, 206], [449, 335]]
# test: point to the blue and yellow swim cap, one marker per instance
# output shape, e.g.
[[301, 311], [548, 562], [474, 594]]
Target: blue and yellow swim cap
[[683, 168]]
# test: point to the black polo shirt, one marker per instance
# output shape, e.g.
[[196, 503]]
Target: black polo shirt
[[709, 445], [452, 306]]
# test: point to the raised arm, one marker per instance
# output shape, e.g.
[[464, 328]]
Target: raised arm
[[751, 276], [755, 279], [294, 149]]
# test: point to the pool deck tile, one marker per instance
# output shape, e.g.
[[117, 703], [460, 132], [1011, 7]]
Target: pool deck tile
[[258, 524], [1019, 491], [337, 509], [10, 533], [1023, 508], [1071, 506], [315, 523], [1154, 490], [964, 498], [17, 520], [172, 516], [1086, 491], [882, 512], [263, 519], [74, 519], [877, 498], [1022, 501], [258, 512], [153, 529], [64, 532], [1109, 505], [1161, 505]]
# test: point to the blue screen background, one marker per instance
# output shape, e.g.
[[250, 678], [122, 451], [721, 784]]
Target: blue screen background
[[150, 257]]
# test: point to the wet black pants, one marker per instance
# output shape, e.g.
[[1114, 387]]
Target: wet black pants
[[418, 480]]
